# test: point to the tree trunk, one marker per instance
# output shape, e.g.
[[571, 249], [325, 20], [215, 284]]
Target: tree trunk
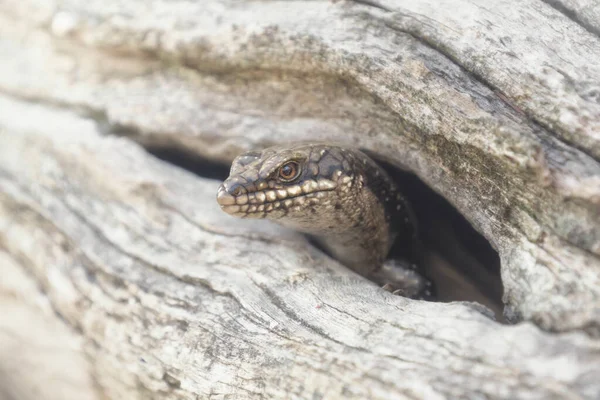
[[121, 278]]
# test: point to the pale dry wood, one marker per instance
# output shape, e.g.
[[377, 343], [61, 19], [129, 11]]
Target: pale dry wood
[[492, 105], [495, 105], [40, 358], [172, 299], [584, 12]]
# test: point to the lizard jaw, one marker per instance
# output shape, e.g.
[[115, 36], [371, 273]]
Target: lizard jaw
[[272, 202]]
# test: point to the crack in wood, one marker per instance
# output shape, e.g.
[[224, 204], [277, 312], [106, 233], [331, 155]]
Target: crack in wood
[[538, 126], [572, 15], [372, 3]]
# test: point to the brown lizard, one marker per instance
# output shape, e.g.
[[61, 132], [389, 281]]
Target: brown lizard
[[340, 197]]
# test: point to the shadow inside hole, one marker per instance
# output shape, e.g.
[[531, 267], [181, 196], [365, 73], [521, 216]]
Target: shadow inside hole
[[459, 260], [461, 263], [189, 161]]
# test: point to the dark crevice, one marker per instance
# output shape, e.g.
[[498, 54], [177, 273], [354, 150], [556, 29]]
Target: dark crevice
[[190, 161], [572, 15], [459, 260], [372, 3]]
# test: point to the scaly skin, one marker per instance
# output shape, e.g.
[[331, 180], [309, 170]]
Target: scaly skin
[[340, 197]]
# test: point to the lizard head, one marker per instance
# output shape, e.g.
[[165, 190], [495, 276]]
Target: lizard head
[[298, 185]]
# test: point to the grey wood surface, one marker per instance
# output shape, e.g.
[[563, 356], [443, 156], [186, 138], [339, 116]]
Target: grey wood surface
[[121, 278]]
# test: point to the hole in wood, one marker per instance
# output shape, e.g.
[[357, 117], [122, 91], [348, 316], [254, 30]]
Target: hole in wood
[[461, 263], [191, 162], [459, 260]]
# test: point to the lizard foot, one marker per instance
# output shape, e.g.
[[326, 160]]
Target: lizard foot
[[401, 278]]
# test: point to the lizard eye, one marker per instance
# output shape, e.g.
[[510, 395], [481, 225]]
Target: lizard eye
[[289, 171]]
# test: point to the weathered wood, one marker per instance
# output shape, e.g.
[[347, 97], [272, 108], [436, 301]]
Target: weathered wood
[[174, 298], [41, 358], [494, 105], [584, 12]]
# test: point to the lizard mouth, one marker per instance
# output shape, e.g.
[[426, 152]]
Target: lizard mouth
[[235, 200]]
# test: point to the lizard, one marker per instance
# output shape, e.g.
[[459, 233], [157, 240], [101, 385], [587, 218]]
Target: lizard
[[342, 199]]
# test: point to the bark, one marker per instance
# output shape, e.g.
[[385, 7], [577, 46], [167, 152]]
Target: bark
[[121, 267]]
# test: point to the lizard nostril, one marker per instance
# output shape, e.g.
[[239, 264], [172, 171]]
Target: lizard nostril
[[236, 191], [234, 188]]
